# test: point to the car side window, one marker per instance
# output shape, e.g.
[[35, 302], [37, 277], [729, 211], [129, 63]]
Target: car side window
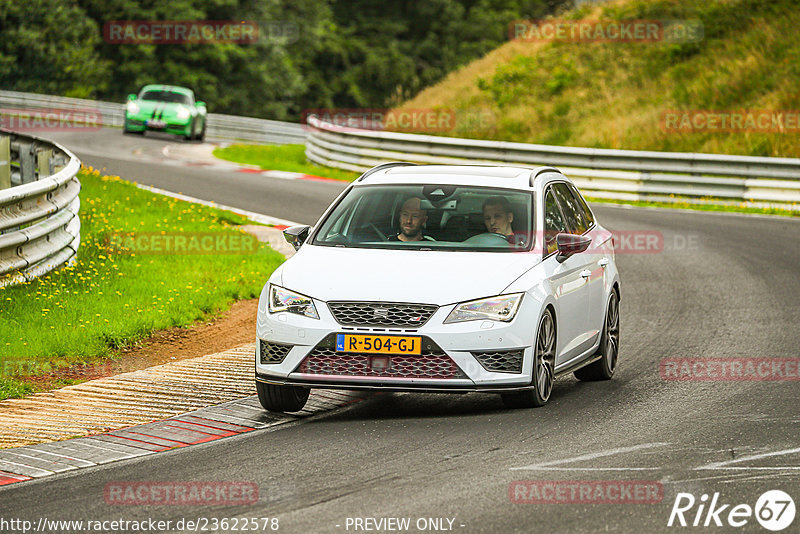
[[553, 223], [586, 211], [573, 212]]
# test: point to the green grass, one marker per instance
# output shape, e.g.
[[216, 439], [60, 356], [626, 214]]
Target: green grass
[[109, 299], [688, 204], [13, 389], [280, 158], [616, 94]]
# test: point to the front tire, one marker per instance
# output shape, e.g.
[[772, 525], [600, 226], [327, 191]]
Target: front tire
[[127, 131], [544, 360], [604, 368], [275, 398], [189, 136]]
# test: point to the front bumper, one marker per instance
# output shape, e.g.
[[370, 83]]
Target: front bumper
[[139, 123], [388, 386], [455, 360]]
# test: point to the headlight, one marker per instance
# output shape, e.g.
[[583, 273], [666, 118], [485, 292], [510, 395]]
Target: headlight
[[132, 107], [499, 308], [281, 300], [183, 112]]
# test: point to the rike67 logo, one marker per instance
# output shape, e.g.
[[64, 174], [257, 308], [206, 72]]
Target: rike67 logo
[[774, 510]]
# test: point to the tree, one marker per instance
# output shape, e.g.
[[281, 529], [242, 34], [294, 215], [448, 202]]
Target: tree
[[50, 46]]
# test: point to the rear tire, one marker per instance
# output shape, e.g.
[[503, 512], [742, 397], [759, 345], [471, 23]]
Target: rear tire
[[544, 358], [604, 368], [275, 398]]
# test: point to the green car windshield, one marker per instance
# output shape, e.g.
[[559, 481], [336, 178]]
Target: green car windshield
[[166, 96], [430, 217]]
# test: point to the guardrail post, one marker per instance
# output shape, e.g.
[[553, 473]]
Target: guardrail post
[[5, 162], [57, 163], [27, 165], [44, 163], [39, 226]]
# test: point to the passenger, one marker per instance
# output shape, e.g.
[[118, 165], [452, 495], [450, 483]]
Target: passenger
[[498, 216], [412, 222]]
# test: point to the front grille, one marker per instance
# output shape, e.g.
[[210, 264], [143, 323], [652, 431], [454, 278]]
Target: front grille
[[273, 352], [400, 314], [433, 363], [507, 361]]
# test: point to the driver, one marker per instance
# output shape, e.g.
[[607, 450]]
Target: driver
[[412, 222], [498, 216]]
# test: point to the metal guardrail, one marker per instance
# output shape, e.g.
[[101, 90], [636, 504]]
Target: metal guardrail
[[603, 173], [111, 114], [39, 203]]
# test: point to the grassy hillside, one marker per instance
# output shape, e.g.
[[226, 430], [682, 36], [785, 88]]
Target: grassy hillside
[[616, 94]]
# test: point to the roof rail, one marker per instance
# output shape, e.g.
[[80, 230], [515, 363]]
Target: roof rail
[[382, 166], [541, 170]]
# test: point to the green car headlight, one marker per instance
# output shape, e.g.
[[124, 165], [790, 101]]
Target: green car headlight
[[499, 308], [132, 107], [183, 113], [281, 299]]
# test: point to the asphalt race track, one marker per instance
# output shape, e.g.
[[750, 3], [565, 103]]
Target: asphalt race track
[[141, 159], [721, 286]]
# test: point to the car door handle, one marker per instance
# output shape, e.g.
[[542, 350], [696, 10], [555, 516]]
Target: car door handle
[[586, 273], [603, 263]]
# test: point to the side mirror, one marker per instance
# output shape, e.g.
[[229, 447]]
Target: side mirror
[[296, 235], [200, 104], [131, 97], [569, 244]]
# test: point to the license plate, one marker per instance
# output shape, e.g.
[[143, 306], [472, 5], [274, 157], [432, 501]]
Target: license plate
[[156, 124], [366, 344]]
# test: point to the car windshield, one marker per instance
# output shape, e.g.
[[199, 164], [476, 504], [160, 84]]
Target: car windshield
[[166, 96], [431, 217]]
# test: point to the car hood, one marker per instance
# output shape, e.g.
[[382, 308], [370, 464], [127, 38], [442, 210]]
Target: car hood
[[431, 277], [167, 108]]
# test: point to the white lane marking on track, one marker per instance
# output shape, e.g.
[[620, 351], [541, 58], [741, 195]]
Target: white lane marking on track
[[257, 217], [586, 468], [548, 466], [727, 463], [283, 175], [729, 477]]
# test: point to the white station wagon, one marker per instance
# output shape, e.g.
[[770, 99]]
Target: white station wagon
[[439, 278]]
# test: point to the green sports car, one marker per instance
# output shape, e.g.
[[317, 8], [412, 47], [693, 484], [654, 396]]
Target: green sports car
[[166, 108]]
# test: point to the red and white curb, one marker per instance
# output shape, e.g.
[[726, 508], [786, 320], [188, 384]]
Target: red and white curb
[[286, 175], [202, 156], [201, 426]]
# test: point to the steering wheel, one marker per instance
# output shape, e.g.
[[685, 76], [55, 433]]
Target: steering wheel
[[378, 232], [487, 238]]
